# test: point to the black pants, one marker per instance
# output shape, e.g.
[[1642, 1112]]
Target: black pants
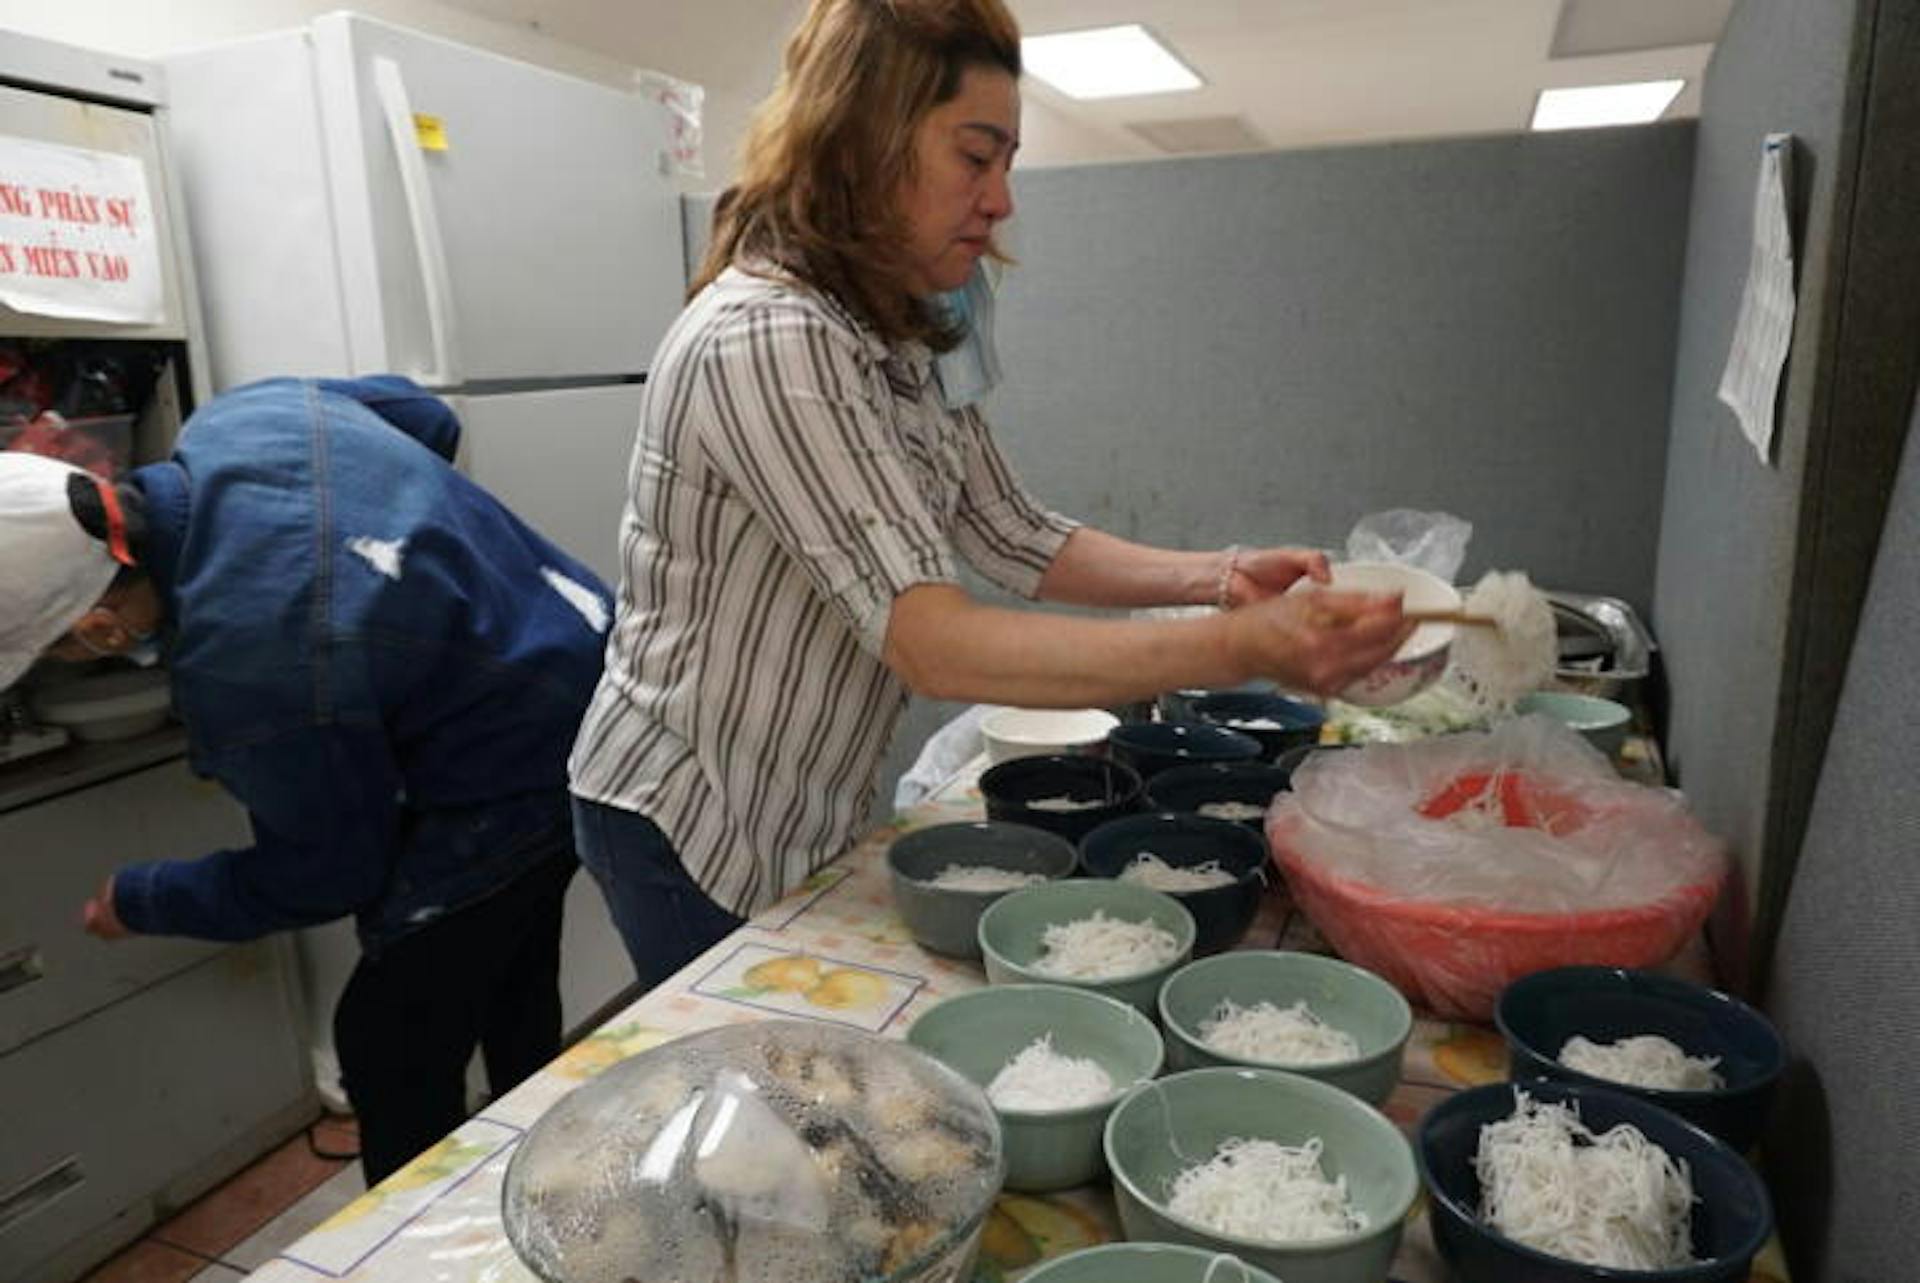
[[486, 975]]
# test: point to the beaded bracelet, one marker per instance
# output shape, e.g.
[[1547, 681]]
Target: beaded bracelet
[[1226, 577]]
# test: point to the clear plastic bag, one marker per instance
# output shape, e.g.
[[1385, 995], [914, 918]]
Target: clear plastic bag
[[1459, 863], [1435, 542]]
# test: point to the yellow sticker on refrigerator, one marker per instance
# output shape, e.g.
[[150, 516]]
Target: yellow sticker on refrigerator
[[431, 131]]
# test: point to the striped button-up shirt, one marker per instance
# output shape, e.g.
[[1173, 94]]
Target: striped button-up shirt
[[793, 475]]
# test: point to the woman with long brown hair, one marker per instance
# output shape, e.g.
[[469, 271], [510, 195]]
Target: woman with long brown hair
[[810, 466]]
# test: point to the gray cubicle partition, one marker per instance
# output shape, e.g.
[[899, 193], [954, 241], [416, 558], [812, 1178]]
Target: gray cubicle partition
[[1842, 1156], [1762, 567], [1269, 347]]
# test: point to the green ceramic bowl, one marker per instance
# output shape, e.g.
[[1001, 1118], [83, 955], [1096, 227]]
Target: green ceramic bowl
[[1601, 722], [1199, 1109], [1146, 1263], [977, 1033], [1011, 930], [1343, 995]]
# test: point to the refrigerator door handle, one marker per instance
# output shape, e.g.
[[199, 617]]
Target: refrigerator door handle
[[429, 247]]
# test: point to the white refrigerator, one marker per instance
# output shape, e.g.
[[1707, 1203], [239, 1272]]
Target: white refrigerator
[[366, 199]]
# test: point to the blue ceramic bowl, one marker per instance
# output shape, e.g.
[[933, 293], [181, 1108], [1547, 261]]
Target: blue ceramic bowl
[[1195, 788], [1221, 915], [1153, 747], [1732, 1216], [1537, 1014], [1277, 722], [945, 919], [1070, 794]]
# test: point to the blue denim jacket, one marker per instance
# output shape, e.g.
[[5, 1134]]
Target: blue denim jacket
[[383, 664]]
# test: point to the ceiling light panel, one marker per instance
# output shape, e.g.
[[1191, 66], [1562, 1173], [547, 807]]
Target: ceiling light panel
[[1106, 62], [1590, 106]]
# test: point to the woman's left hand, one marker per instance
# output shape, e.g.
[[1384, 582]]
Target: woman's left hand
[[1259, 573], [99, 918]]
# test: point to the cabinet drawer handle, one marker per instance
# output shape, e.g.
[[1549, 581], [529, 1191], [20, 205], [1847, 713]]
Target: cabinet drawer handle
[[21, 967], [24, 1200]]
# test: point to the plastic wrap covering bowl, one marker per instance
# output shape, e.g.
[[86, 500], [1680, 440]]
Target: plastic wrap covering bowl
[[780, 1151], [1458, 864]]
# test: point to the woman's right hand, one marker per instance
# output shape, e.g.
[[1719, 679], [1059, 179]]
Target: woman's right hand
[[1319, 641]]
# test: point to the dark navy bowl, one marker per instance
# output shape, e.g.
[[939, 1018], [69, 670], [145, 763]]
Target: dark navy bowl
[[1732, 1216], [1010, 788], [1153, 747], [1299, 722], [1538, 1013], [946, 920], [1188, 788], [1221, 915], [1294, 758]]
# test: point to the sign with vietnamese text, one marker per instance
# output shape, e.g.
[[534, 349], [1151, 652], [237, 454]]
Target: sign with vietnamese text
[[77, 234]]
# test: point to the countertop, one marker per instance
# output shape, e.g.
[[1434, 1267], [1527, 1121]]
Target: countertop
[[438, 1219], [35, 779]]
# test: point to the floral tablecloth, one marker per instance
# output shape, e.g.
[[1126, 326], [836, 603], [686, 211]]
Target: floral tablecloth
[[834, 951]]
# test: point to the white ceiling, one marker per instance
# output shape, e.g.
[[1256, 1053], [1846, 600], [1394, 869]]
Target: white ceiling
[[1279, 73]]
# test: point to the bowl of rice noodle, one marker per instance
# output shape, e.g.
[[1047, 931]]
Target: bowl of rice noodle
[[1054, 1061], [1453, 866], [1146, 1263], [1216, 868], [1068, 793], [944, 876], [1115, 938], [1291, 1175], [1268, 1009], [1550, 1182], [1237, 791], [781, 1149], [1695, 1051]]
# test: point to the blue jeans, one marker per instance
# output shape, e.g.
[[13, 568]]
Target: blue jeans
[[664, 918]]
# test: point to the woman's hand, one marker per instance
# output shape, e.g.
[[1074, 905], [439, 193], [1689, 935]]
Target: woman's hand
[[1256, 574], [1316, 641], [99, 917]]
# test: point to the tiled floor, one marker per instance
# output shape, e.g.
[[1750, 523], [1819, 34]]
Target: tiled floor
[[241, 1225]]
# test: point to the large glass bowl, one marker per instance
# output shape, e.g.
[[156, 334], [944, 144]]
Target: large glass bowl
[[777, 1152]]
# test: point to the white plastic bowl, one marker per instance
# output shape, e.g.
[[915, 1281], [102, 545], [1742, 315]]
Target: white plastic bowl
[[1420, 661], [1043, 732]]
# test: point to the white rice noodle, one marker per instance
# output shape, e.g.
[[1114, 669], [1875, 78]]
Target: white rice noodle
[[1149, 870], [1255, 724], [1494, 667], [1041, 1079], [1232, 810], [983, 877], [1103, 948], [1615, 1200], [1064, 804], [1285, 1036], [1261, 1189], [1643, 1060]]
